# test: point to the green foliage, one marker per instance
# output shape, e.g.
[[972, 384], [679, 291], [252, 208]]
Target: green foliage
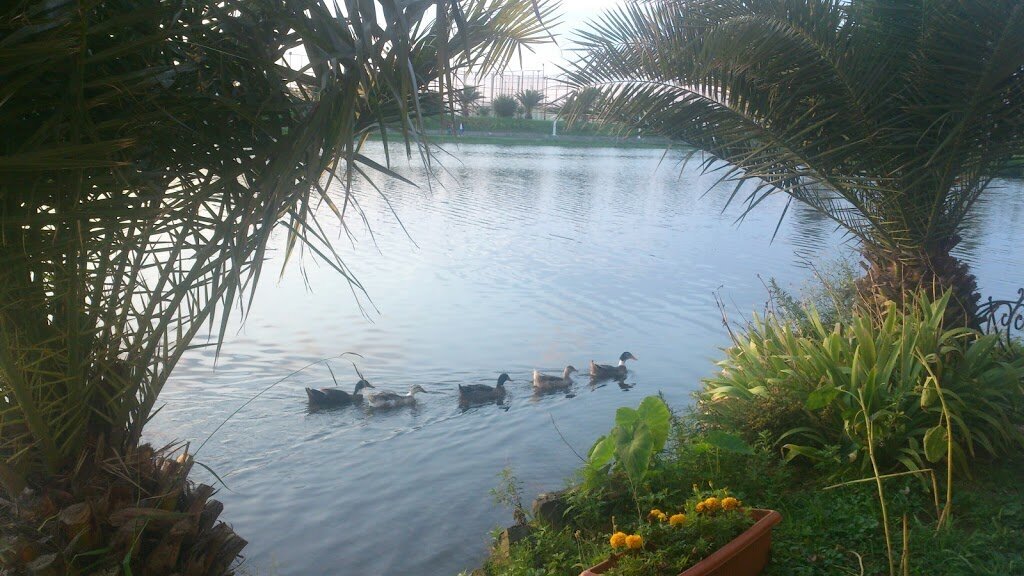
[[828, 379], [728, 442], [529, 99], [637, 437], [546, 552], [832, 294], [677, 534], [468, 97], [504, 106], [837, 531], [673, 549], [512, 125], [823, 532]]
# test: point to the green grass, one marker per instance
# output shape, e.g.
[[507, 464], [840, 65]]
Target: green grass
[[521, 132], [519, 126], [824, 532], [562, 141]]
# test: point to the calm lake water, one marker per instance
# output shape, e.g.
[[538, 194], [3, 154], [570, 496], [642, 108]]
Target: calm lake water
[[523, 258]]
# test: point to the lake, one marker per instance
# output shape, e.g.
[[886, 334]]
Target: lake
[[516, 258]]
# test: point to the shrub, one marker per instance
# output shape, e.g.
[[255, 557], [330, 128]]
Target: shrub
[[528, 100], [912, 380], [504, 106], [832, 293]]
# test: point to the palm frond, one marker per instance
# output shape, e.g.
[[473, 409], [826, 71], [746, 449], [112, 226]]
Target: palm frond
[[888, 117], [150, 149]]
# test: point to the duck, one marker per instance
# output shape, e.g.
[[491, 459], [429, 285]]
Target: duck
[[608, 371], [388, 399], [478, 393], [336, 396], [544, 382]]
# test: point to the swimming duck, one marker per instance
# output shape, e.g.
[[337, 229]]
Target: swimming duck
[[609, 371], [388, 399], [544, 382], [473, 393], [336, 396]]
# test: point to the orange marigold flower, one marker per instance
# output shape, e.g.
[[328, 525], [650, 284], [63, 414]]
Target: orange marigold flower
[[634, 541], [618, 540], [730, 503], [700, 507], [712, 504], [656, 515], [677, 520]]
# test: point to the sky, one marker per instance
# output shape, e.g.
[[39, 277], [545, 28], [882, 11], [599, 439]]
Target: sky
[[574, 15]]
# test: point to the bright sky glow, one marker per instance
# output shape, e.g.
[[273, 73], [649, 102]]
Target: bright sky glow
[[574, 16]]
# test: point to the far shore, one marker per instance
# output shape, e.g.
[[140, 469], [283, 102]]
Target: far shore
[[531, 139]]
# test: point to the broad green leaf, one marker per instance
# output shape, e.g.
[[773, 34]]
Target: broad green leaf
[[821, 397], [634, 452], [935, 443], [626, 417], [929, 394], [729, 442], [602, 451], [655, 415], [794, 450]]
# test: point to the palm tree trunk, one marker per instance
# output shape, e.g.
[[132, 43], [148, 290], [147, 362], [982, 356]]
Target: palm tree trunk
[[897, 275], [117, 511]]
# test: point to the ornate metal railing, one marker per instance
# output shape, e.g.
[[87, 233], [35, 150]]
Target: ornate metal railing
[[1003, 317]]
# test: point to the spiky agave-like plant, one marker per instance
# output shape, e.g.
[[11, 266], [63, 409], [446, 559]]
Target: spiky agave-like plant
[[147, 150], [890, 118]]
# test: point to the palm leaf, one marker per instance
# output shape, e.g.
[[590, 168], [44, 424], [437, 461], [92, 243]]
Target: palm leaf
[[150, 149], [889, 118]]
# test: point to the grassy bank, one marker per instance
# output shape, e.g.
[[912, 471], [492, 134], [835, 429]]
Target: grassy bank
[[522, 132], [498, 125], [1015, 169], [833, 531]]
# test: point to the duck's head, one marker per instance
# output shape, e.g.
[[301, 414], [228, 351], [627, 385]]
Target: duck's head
[[626, 356], [503, 378], [416, 388], [570, 369], [362, 384]]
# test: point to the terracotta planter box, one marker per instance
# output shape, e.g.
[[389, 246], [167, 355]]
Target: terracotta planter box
[[745, 555]]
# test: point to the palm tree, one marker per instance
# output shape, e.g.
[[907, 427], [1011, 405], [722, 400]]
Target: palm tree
[[530, 99], [468, 98], [890, 118], [147, 151]]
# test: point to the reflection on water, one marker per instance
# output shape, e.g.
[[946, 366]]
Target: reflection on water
[[523, 258]]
